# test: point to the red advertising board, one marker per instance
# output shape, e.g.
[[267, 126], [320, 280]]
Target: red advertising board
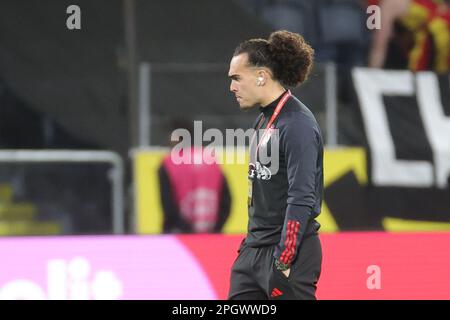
[[374, 265]]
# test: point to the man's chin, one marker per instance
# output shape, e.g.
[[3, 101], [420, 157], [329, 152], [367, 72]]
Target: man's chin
[[246, 108]]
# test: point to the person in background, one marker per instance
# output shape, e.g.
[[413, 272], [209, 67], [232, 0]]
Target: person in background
[[420, 30], [195, 197]]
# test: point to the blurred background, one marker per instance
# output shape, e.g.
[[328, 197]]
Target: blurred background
[[90, 92]]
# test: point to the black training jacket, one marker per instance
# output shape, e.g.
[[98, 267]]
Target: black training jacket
[[285, 197]]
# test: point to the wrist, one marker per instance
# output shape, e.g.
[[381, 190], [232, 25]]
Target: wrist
[[281, 266]]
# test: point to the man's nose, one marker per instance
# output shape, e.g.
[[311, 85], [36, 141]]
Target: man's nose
[[232, 87]]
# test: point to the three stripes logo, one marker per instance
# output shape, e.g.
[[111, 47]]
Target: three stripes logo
[[275, 293]]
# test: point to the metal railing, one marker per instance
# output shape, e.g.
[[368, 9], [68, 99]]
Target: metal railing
[[69, 156]]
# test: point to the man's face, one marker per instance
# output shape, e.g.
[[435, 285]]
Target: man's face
[[244, 82]]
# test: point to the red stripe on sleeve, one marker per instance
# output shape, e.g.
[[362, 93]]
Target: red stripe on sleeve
[[291, 242], [294, 242], [287, 241]]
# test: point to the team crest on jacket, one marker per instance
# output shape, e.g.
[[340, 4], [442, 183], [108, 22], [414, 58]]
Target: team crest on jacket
[[259, 171]]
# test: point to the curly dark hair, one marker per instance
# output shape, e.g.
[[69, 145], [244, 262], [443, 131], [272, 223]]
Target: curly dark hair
[[285, 53]]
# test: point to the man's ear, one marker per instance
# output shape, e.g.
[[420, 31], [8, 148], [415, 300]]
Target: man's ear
[[262, 77], [260, 81], [265, 74]]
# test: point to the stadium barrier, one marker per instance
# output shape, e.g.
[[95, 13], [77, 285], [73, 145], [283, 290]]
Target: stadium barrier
[[374, 265], [70, 157]]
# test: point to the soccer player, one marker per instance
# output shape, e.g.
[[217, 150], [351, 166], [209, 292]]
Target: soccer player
[[281, 256]]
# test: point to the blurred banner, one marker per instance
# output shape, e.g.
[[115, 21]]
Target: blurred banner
[[406, 120], [351, 203], [149, 211], [355, 266]]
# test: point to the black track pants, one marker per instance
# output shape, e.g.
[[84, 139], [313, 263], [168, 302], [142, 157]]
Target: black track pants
[[254, 276]]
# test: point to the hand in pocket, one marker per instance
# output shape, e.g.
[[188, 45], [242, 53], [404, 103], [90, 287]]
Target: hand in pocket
[[279, 285]]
